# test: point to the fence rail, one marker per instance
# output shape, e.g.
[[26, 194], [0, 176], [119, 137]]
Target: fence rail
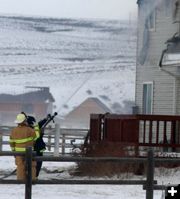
[[90, 182], [149, 184]]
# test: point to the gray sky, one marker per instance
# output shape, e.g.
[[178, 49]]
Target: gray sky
[[107, 9]]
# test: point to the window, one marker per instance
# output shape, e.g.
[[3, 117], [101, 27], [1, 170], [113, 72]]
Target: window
[[168, 8], [147, 97], [151, 20], [150, 14]]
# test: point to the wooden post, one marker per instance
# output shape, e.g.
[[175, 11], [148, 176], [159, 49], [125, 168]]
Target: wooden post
[[28, 185], [56, 139], [63, 144], [49, 140], [1, 141], [150, 174]]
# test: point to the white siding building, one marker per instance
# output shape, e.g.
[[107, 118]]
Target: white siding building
[[158, 57]]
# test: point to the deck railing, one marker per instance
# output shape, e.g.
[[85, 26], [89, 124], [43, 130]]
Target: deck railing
[[140, 130]]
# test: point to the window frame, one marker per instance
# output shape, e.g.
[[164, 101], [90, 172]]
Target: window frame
[[145, 108], [149, 24]]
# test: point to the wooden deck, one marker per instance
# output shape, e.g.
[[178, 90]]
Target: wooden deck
[[139, 130]]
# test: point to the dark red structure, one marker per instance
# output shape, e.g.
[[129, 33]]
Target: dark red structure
[[161, 131]]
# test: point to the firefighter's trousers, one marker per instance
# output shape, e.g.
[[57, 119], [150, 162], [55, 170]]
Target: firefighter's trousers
[[21, 170]]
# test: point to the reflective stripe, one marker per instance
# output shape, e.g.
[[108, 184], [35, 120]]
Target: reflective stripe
[[36, 127], [42, 150], [21, 141], [18, 149], [37, 131]]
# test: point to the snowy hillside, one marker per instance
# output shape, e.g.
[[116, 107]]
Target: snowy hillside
[[75, 58]]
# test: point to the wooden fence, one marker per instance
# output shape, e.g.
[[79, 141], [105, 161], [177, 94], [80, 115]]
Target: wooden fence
[[148, 184]]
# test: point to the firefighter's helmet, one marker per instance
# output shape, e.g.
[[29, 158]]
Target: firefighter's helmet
[[20, 118]]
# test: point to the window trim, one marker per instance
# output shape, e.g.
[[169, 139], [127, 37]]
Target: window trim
[[154, 21], [152, 96]]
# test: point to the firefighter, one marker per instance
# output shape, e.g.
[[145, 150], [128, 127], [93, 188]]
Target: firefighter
[[21, 137], [39, 145]]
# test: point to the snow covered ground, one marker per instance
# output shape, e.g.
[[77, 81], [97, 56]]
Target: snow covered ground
[[62, 171]]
